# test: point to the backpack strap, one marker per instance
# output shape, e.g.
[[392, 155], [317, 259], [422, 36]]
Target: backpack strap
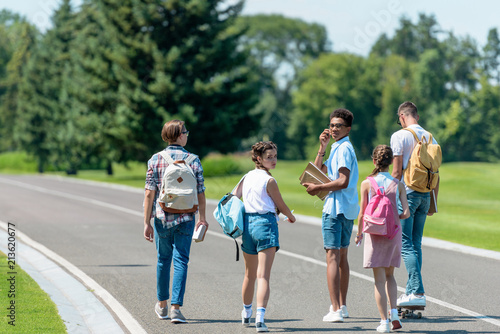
[[236, 187], [167, 157], [376, 186], [190, 159], [423, 137]]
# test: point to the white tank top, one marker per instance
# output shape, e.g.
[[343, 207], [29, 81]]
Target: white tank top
[[255, 195]]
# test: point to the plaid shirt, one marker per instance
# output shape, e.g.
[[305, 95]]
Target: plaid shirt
[[154, 175]]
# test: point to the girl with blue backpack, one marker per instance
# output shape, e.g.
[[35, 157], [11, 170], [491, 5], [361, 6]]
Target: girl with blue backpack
[[260, 238], [382, 253]]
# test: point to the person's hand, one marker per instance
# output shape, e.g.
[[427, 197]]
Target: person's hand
[[200, 222], [324, 138], [312, 189], [292, 219], [358, 239], [148, 232]]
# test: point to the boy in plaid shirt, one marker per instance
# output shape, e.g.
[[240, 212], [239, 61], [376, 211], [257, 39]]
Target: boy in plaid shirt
[[171, 232]]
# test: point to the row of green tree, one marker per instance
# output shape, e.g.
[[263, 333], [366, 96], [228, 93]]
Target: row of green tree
[[97, 87]]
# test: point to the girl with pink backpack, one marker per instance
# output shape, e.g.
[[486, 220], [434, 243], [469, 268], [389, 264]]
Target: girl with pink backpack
[[382, 252]]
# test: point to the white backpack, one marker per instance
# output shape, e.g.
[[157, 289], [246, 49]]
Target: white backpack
[[178, 191]]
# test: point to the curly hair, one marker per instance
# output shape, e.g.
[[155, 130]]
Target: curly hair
[[258, 150], [345, 114], [382, 156]]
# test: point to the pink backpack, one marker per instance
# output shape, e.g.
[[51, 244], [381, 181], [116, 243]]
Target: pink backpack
[[378, 218]]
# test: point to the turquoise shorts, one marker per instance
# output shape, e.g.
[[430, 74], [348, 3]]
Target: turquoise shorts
[[260, 232], [336, 231]]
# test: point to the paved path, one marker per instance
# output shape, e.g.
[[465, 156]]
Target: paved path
[[97, 230]]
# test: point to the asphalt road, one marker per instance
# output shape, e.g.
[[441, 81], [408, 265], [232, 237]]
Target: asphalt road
[[99, 230]]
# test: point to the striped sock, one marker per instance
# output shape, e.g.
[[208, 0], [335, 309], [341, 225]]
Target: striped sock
[[248, 310], [261, 311]]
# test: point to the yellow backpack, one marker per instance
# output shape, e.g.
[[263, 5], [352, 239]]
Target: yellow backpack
[[422, 172]]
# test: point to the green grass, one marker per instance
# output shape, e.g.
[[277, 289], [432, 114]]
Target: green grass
[[34, 310], [469, 196]]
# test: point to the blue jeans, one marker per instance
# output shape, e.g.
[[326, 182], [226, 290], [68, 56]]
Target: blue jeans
[[413, 229], [174, 242], [336, 231]]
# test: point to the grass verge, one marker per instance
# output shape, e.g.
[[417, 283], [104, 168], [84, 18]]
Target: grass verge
[[34, 310]]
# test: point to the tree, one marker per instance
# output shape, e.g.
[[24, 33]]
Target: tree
[[40, 116], [136, 65], [331, 82], [492, 55], [20, 37], [280, 48]]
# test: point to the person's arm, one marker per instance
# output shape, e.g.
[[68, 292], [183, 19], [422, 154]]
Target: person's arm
[[340, 183], [202, 205], [324, 139], [397, 167], [149, 197], [364, 189], [404, 201], [274, 192]]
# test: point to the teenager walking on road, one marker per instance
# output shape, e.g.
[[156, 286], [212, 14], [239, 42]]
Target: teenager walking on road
[[381, 253], [340, 207], [171, 232], [260, 243], [402, 144]]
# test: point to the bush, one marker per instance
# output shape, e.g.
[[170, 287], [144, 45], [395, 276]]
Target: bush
[[223, 165], [17, 162]]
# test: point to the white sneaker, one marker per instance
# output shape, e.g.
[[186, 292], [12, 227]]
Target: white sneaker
[[334, 316], [384, 328], [345, 314], [395, 322], [412, 300], [245, 318]]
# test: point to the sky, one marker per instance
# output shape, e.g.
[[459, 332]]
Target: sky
[[352, 26]]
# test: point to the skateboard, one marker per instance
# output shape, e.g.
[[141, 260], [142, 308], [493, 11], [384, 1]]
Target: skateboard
[[409, 311]]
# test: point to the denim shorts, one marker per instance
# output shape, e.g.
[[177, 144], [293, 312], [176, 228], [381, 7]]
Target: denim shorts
[[260, 232], [336, 231]]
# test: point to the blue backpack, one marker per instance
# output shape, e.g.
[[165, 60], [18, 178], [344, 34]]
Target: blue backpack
[[230, 213]]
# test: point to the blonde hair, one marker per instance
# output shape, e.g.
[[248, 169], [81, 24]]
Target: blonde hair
[[258, 150], [382, 156], [172, 130]]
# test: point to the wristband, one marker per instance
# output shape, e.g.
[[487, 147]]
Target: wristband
[[321, 154]]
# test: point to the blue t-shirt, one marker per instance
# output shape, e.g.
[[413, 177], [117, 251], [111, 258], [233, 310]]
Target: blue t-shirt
[[343, 201]]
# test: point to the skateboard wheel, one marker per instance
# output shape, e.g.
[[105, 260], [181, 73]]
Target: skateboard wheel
[[419, 315]]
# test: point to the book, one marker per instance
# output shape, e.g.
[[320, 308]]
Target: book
[[313, 174], [199, 234], [433, 208]]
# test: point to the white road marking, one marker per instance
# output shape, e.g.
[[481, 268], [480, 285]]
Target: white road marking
[[123, 313]]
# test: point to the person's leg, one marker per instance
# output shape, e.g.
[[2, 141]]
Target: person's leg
[[265, 262], [379, 275], [418, 231], [392, 294], [333, 276], [163, 241], [332, 236], [347, 226], [391, 287], [182, 247], [407, 251], [248, 286], [344, 273]]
